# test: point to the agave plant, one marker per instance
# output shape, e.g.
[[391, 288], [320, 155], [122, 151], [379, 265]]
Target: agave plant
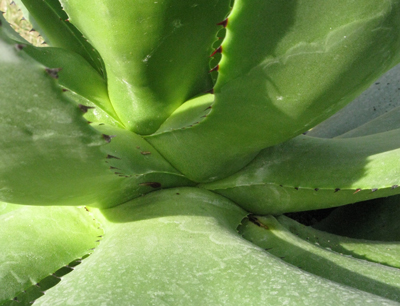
[[154, 154]]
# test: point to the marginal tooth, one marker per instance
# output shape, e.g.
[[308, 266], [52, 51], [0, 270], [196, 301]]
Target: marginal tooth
[[84, 108], [108, 138], [216, 68], [357, 190], [218, 50], [53, 72], [224, 23], [19, 47], [374, 189], [337, 189]]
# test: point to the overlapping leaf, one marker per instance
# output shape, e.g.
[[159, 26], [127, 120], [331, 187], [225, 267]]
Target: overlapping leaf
[[308, 173], [372, 220], [156, 56], [180, 247], [48, 152], [387, 253], [269, 234], [285, 67], [37, 241], [51, 21], [353, 120]]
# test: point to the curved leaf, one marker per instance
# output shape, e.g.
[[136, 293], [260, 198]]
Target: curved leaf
[[386, 122], [309, 173], [387, 253], [37, 241], [75, 74], [372, 220], [381, 97], [273, 56], [156, 56], [269, 234], [180, 247], [63, 159], [54, 26]]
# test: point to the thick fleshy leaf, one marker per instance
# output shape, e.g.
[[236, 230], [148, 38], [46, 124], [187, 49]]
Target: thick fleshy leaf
[[49, 154], [285, 67], [37, 241], [75, 74], [386, 122], [132, 157], [372, 220], [387, 253], [54, 26], [382, 97], [269, 234], [157, 52], [309, 173], [93, 112], [180, 247]]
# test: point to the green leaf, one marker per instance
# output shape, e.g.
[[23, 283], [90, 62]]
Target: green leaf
[[180, 247], [387, 253], [130, 156], [372, 220], [386, 122], [54, 26], [37, 241], [93, 113], [269, 234], [309, 173], [63, 159], [380, 98], [273, 56], [156, 56], [76, 74]]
